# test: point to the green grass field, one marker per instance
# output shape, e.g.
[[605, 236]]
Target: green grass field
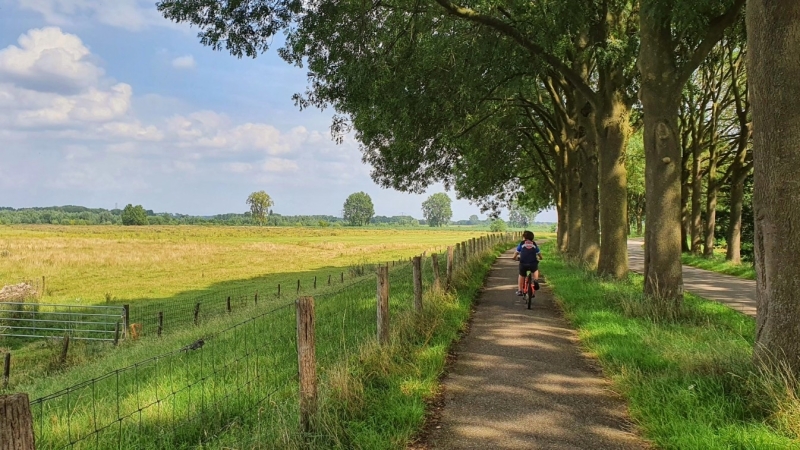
[[239, 390], [170, 269], [688, 376]]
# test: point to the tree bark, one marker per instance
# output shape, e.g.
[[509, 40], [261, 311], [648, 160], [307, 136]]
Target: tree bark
[[562, 205], [734, 238], [612, 142], [16, 423], [574, 199], [697, 192], [660, 96], [590, 212], [773, 36], [711, 204], [685, 224]]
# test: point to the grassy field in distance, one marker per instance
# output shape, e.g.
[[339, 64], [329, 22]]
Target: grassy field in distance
[[84, 264]]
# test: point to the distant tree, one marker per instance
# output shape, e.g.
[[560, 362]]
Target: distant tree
[[521, 216], [260, 202], [358, 209], [474, 220], [436, 209], [498, 225], [134, 215]]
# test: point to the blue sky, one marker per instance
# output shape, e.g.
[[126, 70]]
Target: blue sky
[[104, 103]]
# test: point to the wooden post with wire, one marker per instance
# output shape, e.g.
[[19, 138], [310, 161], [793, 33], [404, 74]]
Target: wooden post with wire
[[16, 423], [417, 270], [307, 361], [383, 305], [436, 277], [160, 323], [196, 313], [7, 370], [449, 267]]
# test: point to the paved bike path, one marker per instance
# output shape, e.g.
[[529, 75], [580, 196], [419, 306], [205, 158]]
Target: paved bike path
[[521, 382], [738, 293]]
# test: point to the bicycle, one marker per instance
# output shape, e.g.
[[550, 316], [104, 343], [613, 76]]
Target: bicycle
[[529, 287]]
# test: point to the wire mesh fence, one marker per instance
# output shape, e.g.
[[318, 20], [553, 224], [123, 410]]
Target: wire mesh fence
[[233, 385]]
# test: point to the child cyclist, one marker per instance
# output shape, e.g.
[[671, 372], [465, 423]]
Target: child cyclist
[[528, 255]]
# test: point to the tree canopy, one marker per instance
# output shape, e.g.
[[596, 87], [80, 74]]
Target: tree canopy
[[260, 203], [134, 215], [358, 209], [436, 209]]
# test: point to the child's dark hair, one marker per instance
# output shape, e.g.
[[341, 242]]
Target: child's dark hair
[[527, 235]]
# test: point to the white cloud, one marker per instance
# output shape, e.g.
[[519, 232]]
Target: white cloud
[[131, 15], [48, 59], [184, 62]]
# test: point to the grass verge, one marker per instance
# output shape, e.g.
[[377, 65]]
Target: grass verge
[[718, 264], [688, 375]]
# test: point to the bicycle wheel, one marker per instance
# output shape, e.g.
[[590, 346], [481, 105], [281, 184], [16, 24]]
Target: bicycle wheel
[[529, 292]]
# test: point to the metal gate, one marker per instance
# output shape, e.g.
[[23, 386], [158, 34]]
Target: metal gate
[[42, 320]]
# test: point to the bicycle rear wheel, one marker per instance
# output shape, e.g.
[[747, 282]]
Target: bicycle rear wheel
[[529, 292]]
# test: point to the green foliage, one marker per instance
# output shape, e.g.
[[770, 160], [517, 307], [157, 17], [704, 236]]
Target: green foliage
[[260, 202], [358, 209], [134, 215], [436, 209], [521, 216], [498, 225]]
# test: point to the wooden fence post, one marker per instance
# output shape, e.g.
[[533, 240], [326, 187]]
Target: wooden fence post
[[16, 423], [7, 370], [255, 299], [279, 290], [196, 313], [449, 267], [298, 287], [464, 256], [64, 350], [383, 305], [306, 361], [417, 271], [228, 304], [329, 279], [342, 277], [435, 263], [126, 319], [41, 294], [160, 323]]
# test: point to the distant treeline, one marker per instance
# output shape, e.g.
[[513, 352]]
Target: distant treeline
[[80, 215]]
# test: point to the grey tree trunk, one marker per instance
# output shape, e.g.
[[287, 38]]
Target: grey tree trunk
[[590, 212], [734, 238], [574, 200], [612, 143], [685, 204], [773, 39], [697, 192], [711, 205]]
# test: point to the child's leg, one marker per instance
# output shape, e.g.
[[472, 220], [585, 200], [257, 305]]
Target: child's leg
[[520, 283], [536, 279]]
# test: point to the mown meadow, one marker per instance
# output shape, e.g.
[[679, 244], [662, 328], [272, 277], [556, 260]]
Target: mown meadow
[[239, 388], [170, 269]]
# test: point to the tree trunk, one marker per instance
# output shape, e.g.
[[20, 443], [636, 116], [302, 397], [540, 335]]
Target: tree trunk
[[590, 212], [697, 191], [685, 225], [734, 238], [612, 143], [661, 99], [639, 221], [16, 423], [574, 200], [562, 235], [711, 205], [773, 35]]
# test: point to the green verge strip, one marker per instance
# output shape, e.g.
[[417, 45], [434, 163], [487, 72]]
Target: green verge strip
[[688, 375], [718, 264]]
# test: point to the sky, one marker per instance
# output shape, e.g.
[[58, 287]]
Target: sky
[[105, 103]]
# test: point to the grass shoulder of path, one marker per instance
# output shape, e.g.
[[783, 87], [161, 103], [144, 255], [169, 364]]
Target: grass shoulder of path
[[688, 376], [718, 264]]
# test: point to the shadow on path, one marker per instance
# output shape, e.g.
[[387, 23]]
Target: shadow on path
[[520, 381]]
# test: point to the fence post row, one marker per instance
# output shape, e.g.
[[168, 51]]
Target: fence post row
[[449, 267], [383, 305], [435, 263], [16, 423], [306, 361], [417, 271]]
